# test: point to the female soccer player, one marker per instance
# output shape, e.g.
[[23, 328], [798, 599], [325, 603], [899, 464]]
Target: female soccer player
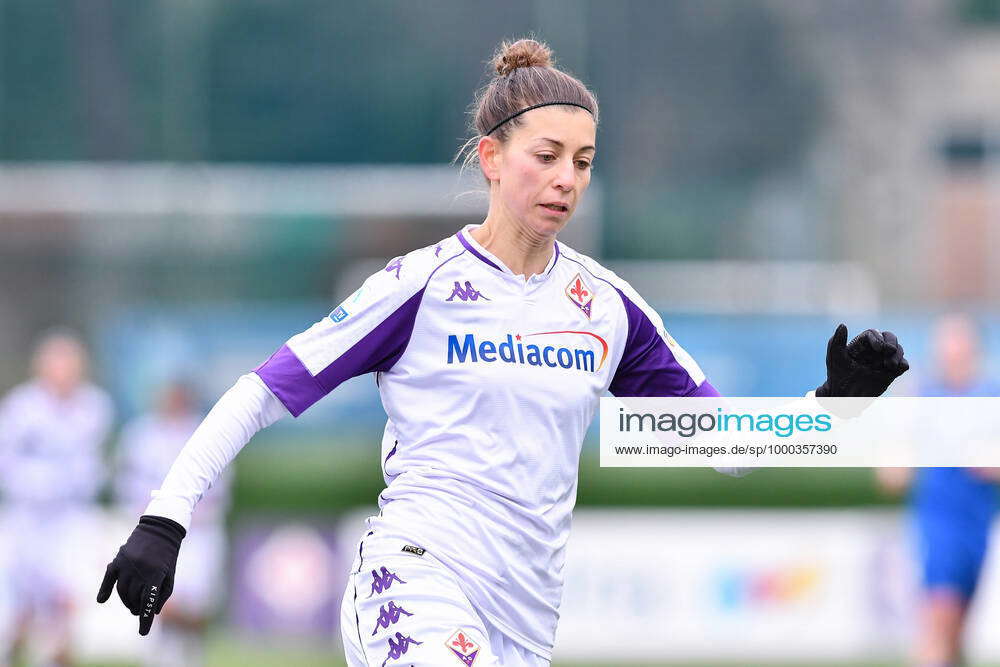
[[491, 350]]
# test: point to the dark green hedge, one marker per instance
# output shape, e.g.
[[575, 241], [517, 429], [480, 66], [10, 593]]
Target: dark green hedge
[[311, 478]]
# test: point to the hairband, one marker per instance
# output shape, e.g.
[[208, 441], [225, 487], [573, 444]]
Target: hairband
[[535, 106]]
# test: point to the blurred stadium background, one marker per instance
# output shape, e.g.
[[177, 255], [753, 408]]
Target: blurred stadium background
[[189, 182]]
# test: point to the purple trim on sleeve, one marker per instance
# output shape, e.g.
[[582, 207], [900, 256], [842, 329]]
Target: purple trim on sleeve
[[648, 367], [468, 246], [378, 350], [290, 381]]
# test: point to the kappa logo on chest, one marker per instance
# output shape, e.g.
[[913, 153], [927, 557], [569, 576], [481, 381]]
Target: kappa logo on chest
[[466, 292]]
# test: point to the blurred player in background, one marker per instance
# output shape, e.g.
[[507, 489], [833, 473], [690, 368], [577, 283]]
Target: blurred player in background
[[52, 432], [491, 350], [148, 445], [953, 507]]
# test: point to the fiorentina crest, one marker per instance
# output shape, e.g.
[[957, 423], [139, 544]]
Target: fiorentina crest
[[463, 647], [580, 294]]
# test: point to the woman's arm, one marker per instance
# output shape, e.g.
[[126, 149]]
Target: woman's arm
[[248, 407], [144, 566]]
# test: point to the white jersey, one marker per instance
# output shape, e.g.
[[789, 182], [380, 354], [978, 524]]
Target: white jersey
[[489, 382], [149, 445], [51, 447]]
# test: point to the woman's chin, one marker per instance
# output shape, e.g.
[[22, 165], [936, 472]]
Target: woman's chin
[[548, 226]]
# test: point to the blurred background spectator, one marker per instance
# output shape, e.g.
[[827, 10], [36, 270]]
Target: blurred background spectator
[[953, 508], [52, 431]]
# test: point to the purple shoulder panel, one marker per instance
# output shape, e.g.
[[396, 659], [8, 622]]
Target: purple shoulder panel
[[378, 350], [648, 367], [290, 381]]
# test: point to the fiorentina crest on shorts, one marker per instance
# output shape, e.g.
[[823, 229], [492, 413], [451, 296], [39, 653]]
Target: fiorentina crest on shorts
[[580, 294], [463, 647]]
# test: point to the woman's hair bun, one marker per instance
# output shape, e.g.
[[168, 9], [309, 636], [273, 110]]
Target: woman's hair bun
[[522, 53]]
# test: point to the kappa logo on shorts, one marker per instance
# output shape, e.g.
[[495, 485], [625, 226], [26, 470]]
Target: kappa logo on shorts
[[399, 646], [382, 581], [463, 647], [580, 294], [388, 615]]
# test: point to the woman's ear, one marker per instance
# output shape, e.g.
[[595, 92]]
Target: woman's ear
[[490, 157]]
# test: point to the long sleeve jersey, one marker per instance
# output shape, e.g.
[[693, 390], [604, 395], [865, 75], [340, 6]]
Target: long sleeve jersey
[[490, 382]]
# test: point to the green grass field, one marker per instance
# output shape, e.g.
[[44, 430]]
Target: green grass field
[[291, 657], [228, 651], [227, 654]]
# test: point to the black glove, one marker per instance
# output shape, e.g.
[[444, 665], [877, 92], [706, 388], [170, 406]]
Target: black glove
[[144, 568], [864, 367]]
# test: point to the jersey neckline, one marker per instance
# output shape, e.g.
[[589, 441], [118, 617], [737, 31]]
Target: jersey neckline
[[484, 255]]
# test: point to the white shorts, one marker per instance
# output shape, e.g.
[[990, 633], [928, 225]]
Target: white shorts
[[403, 607]]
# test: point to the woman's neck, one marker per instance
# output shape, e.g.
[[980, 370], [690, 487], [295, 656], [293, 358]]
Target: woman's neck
[[523, 253]]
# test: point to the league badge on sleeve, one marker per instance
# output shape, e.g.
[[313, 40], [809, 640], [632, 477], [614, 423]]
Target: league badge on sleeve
[[341, 313], [580, 294], [463, 647]]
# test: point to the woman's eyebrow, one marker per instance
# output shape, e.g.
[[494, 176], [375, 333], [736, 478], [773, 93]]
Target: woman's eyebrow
[[561, 145]]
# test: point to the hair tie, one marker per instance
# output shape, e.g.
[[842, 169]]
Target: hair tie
[[535, 106]]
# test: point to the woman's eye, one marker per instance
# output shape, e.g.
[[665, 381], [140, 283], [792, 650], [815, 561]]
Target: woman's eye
[[547, 157], [582, 164]]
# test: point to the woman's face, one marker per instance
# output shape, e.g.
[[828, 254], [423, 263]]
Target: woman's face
[[60, 364], [539, 176]]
